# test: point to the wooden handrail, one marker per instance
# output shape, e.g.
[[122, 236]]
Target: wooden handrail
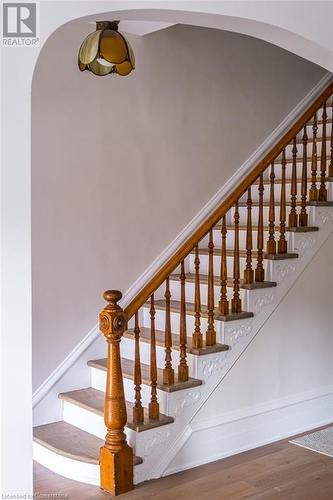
[[224, 206]]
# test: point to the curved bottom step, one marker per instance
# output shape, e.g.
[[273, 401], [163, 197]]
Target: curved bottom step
[[69, 451]]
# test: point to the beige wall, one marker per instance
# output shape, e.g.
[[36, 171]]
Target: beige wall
[[121, 165]]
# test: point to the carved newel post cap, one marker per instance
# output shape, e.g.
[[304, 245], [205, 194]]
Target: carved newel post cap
[[112, 296]]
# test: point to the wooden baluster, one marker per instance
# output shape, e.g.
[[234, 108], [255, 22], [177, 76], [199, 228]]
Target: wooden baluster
[[116, 457], [271, 243], [248, 271], [153, 407], [183, 367], [224, 303], [303, 216], [260, 271], [211, 333], [282, 243], [322, 190], [293, 217], [313, 193], [236, 303], [138, 416], [330, 169], [197, 341], [168, 372]]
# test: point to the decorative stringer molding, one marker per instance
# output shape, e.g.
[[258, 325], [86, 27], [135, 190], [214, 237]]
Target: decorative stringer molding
[[213, 368]]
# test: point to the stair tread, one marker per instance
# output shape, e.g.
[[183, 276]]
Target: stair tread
[[128, 371], [299, 229], [93, 400], [175, 307], [278, 180], [242, 253], [288, 203], [299, 159], [203, 278], [70, 441], [160, 335]]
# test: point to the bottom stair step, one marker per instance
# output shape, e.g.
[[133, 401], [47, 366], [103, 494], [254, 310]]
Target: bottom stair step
[[71, 442], [93, 400]]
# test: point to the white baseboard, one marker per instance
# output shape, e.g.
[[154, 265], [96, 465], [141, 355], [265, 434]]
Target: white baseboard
[[212, 204], [235, 432]]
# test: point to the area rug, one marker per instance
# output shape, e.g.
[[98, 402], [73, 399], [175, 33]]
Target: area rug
[[319, 441]]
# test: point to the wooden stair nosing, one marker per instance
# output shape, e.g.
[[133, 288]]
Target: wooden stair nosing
[[242, 254], [298, 229], [128, 372], [93, 400], [160, 338], [71, 442], [175, 307], [288, 203], [289, 160]]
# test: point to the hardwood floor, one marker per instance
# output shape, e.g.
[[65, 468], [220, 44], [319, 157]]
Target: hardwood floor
[[274, 472]]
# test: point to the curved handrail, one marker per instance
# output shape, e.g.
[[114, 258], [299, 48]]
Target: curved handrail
[[224, 207]]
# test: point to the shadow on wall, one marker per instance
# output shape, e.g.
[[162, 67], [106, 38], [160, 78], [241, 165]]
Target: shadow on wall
[[121, 165]]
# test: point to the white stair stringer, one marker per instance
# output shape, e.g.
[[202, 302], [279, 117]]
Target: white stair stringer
[[159, 446]]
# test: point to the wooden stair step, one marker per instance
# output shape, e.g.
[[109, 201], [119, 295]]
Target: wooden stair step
[[242, 253], [190, 278], [128, 372], [175, 307], [93, 400], [320, 203], [288, 203], [160, 335], [71, 442], [298, 229], [278, 161], [310, 140]]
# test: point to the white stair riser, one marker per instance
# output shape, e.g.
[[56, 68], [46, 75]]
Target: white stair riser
[[175, 320], [98, 381], [309, 129], [90, 422], [190, 293], [217, 264], [65, 466], [255, 212], [242, 238], [310, 145], [277, 194], [127, 351], [278, 166]]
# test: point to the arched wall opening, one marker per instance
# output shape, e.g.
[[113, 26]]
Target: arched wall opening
[[16, 203]]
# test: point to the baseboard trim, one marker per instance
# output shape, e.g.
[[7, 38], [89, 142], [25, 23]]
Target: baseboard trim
[[279, 419], [222, 194]]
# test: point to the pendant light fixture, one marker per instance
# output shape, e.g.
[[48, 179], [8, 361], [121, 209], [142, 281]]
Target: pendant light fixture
[[106, 51]]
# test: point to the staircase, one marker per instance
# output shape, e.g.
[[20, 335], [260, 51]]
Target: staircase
[[178, 338]]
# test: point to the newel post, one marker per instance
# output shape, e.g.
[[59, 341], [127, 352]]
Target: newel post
[[116, 456]]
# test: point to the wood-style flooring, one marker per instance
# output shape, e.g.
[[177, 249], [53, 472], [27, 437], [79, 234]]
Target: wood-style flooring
[[274, 472]]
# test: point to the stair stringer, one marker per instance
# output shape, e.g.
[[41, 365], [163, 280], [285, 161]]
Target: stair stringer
[[158, 447]]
